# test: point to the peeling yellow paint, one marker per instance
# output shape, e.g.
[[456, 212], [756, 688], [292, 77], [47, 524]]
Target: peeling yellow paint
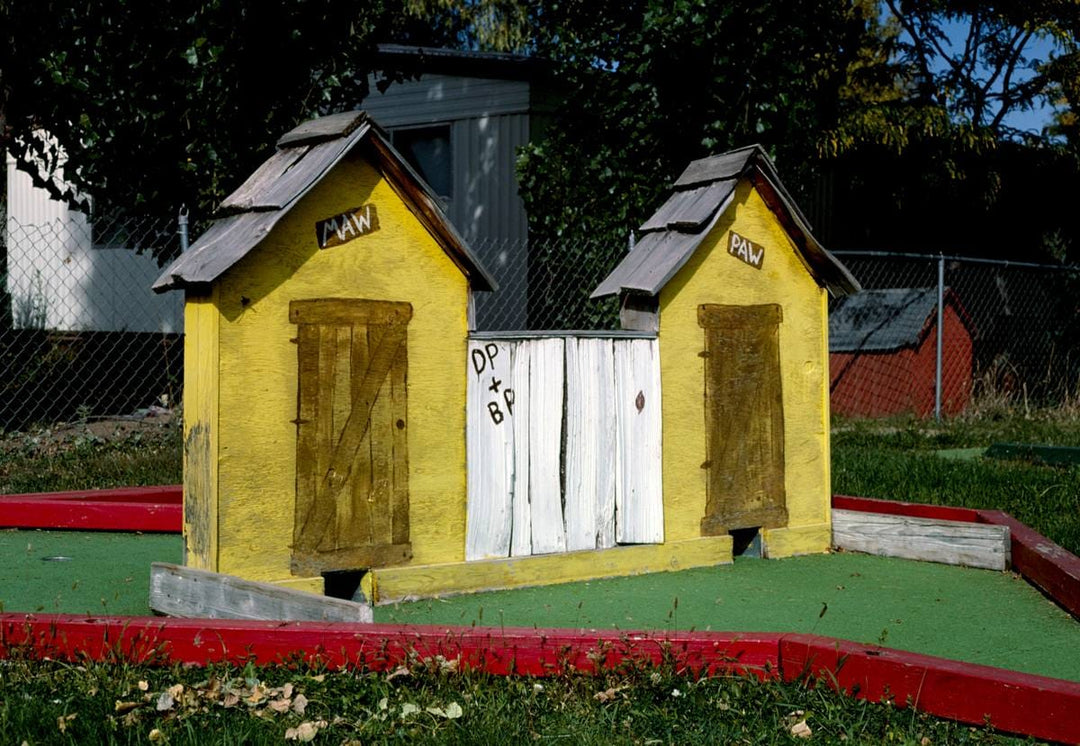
[[712, 275], [200, 431]]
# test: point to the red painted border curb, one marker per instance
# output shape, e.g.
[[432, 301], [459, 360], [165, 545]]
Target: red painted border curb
[[1014, 702], [147, 509], [511, 650], [1009, 701]]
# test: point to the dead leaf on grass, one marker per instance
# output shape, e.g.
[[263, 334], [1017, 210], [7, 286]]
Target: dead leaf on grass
[[63, 720], [125, 706], [398, 673], [306, 731], [280, 705], [299, 704], [608, 694]]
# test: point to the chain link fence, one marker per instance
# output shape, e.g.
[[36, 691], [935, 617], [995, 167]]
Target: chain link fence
[[1009, 335], [546, 285], [82, 334]]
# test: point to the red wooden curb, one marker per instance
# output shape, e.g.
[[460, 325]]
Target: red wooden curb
[[1015, 702], [512, 650], [915, 510], [123, 509], [1009, 701]]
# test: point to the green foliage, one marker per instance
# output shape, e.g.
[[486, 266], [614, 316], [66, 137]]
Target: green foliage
[[646, 86], [927, 153], [45, 702], [150, 106], [46, 461]]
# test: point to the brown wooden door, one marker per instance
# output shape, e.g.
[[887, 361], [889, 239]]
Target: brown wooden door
[[744, 418], [352, 465]]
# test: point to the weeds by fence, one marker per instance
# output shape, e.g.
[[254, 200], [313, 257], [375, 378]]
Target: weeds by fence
[[82, 334]]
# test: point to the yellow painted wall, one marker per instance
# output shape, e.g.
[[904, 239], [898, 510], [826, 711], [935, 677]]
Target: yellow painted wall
[[258, 370], [200, 431], [714, 276]]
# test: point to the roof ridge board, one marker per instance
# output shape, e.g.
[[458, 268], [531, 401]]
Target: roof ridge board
[[321, 129], [727, 165]]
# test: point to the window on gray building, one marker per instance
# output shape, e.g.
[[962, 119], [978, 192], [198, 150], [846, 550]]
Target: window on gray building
[[427, 149]]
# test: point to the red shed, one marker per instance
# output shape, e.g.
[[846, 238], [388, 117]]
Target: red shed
[[883, 349]]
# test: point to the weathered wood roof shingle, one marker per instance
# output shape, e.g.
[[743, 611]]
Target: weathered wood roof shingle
[[701, 195], [304, 156]]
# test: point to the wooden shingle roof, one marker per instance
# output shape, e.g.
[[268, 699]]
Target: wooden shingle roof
[[304, 156], [701, 195]]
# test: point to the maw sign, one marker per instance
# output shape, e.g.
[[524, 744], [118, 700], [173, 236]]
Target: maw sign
[[349, 225]]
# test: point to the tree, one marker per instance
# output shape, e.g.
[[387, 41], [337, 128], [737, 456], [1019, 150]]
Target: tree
[[647, 86], [927, 155], [148, 106]]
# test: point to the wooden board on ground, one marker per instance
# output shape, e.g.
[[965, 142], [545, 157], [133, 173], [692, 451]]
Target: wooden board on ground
[[181, 591], [927, 539]]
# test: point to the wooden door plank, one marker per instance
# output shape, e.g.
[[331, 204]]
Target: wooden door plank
[[188, 592], [639, 500], [490, 446], [399, 514], [545, 438], [322, 509], [349, 311], [521, 510], [359, 531], [381, 436], [341, 403], [307, 482], [590, 444]]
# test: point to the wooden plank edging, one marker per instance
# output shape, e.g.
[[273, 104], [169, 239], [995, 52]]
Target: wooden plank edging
[[926, 539], [179, 591], [1020, 703]]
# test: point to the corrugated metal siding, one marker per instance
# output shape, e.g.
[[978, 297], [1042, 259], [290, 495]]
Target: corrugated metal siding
[[444, 98], [488, 211]]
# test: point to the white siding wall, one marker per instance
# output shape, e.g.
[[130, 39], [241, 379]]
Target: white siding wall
[[55, 275], [489, 120]]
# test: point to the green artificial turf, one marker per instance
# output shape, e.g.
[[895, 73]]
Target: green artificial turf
[[81, 572], [979, 616]]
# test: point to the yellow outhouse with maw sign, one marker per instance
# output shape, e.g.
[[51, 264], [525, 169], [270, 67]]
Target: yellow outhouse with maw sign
[[327, 314], [730, 276]]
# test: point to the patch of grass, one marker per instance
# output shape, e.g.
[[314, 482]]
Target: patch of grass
[[39, 463], [47, 702], [897, 460]]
